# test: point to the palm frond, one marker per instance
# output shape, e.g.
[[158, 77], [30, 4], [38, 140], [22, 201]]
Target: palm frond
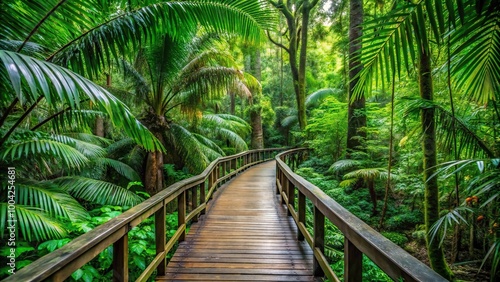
[[120, 167], [470, 144], [476, 56], [316, 97], [289, 121], [97, 191], [233, 138], [252, 83], [212, 57], [231, 122], [68, 119], [89, 138], [33, 224], [39, 147], [214, 151], [447, 221], [494, 253], [391, 42], [33, 79], [100, 38], [139, 83], [204, 84], [187, 147], [89, 150], [48, 198]]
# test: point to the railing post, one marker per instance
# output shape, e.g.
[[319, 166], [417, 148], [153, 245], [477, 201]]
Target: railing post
[[194, 201], [181, 213], [319, 240], [291, 194], [301, 210], [203, 196], [353, 262], [278, 177], [120, 259], [211, 182], [160, 231], [284, 190]]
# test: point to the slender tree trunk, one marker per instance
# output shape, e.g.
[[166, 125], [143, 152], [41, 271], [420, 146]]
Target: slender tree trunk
[[356, 117], [301, 96], [99, 121], [373, 195], [232, 106], [431, 200], [153, 175], [297, 67], [253, 66], [389, 163]]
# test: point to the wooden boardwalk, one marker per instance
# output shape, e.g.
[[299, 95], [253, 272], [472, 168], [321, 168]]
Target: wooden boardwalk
[[245, 236]]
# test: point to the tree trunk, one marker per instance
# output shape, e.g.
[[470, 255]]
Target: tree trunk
[[232, 106], [301, 96], [253, 66], [431, 200], [297, 67], [356, 117], [257, 134], [153, 175], [99, 121], [373, 195]]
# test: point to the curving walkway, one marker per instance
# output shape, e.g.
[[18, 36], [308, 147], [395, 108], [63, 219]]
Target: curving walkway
[[245, 236]]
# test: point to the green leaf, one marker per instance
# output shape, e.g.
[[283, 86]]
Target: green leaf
[[77, 274], [140, 262]]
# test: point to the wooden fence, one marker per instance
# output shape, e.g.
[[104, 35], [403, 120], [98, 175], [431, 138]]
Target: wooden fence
[[359, 238]]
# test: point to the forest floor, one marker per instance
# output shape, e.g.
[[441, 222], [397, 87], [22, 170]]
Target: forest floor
[[463, 272]]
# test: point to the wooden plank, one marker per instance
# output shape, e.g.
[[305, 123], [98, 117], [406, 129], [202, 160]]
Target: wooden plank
[[232, 277], [245, 235]]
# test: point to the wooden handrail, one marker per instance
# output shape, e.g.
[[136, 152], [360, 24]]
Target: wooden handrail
[[62, 262], [359, 238]]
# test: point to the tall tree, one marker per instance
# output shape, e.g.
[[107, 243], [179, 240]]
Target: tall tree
[[253, 67], [297, 15], [356, 116], [178, 73]]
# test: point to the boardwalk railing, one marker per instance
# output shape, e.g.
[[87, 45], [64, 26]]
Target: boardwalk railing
[[359, 238], [191, 195]]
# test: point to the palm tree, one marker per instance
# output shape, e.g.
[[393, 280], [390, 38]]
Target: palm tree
[[172, 74]]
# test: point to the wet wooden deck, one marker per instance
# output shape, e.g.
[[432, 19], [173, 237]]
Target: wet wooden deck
[[245, 236]]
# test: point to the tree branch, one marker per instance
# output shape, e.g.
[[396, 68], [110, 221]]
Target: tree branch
[[277, 43]]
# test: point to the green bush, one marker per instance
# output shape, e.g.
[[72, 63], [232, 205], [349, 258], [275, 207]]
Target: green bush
[[397, 238], [404, 220]]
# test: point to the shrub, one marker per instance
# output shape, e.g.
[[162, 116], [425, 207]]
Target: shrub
[[397, 238], [404, 221]]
